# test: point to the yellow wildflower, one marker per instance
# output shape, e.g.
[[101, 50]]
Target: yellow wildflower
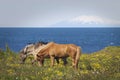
[[96, 65], [10, 71], [59, 73], [83, 65], [84, 72]]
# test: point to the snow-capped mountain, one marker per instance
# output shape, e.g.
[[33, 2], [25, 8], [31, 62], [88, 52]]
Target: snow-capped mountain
[[88, 21]]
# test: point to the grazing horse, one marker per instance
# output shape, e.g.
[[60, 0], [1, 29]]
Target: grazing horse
[[31, 49], [54, 50]]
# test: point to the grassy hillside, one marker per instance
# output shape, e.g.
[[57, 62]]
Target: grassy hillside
[[101, 65]]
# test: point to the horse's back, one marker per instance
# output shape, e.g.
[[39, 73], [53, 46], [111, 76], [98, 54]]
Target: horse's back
[[59, 49], [63, 49]]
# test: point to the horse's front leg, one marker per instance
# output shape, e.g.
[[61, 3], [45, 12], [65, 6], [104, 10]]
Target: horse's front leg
[[40, 60], [41, 63], [52, 60], [33, 61]]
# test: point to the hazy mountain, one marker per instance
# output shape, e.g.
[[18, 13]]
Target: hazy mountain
[[88, 21]]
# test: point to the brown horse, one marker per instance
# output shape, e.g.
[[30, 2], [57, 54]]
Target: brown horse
[[63, 51]]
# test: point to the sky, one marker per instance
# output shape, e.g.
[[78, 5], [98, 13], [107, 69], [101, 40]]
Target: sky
[[54, 13]]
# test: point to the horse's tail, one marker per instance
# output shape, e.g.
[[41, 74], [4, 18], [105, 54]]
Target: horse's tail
[[79, 52]]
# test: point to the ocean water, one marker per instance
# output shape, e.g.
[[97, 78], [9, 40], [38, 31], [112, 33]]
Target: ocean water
[[90, 39]]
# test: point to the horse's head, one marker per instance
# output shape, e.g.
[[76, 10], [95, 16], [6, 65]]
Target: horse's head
[[23, 56], [25, 51], [29, 49], [40, 59]]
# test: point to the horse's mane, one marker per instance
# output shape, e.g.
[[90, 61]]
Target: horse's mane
[[30, 43], [43, 42], [36, 44], [39, 43], [46, 46]]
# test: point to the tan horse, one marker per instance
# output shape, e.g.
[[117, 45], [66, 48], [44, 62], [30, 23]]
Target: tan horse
[[54, 50]]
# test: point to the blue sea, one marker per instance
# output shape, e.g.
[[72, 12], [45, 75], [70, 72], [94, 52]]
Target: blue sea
[[90, 39]]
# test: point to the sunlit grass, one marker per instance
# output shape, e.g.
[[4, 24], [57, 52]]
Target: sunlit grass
[[101, 65]]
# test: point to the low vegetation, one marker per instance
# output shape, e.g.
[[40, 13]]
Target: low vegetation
[[101, 65]]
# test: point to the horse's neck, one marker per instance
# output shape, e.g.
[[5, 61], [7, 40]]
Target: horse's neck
[[30, 53], [46, 46], [25, 49], [35, 51]]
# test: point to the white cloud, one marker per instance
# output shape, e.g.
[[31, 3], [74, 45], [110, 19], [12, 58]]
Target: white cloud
[[94, 19]]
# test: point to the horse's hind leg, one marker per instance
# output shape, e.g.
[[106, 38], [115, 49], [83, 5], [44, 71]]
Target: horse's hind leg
[[65, 61], [76, 64], [73, 63], [57, 60]]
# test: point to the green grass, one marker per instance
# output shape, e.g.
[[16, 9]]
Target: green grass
[[101, 65]]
